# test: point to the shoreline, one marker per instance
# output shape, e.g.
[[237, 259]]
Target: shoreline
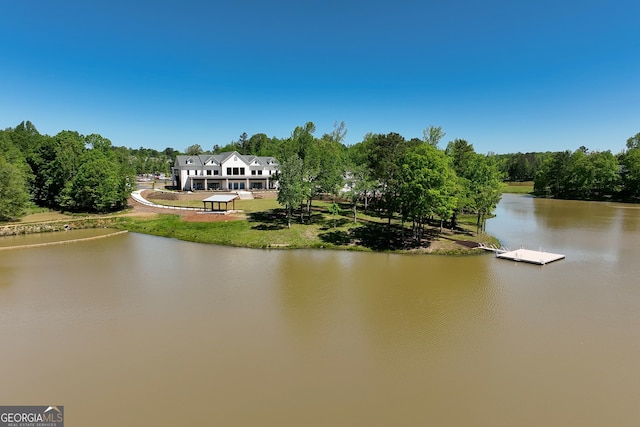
[[241, 231], [184, 230]]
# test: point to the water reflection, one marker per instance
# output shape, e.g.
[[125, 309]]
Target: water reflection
[[630, 218], [396, 304], [573, 214]]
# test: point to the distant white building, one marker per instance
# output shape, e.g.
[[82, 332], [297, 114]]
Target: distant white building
[[226, 171]]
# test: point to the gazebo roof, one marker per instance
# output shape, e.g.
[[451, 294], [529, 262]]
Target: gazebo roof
[[221, 198]]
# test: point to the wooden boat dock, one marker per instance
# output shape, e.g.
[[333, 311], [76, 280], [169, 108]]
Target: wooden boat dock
[[524, 255]]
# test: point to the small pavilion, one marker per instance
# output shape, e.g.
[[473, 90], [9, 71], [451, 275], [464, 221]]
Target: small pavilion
[[219, 199]]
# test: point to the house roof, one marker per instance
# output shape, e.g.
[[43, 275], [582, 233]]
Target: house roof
[[218, 159], [221, 198], [188, 160]]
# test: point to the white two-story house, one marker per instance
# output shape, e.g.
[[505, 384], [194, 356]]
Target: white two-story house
[[226, 171]]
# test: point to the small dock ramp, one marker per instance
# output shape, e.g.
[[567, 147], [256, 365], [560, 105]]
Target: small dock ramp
[[523, 255]]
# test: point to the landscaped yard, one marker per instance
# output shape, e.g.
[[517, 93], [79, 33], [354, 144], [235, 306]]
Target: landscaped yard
[[263, 224]]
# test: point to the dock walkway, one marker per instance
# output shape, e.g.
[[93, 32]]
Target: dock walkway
[[524, 255]]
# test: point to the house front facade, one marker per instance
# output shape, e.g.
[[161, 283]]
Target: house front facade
[[229, 171]]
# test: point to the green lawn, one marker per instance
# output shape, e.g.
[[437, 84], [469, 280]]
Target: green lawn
[[525, 187], [265, 226], [35, 214]]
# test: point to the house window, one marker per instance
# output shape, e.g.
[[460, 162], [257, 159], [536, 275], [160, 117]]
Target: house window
[[228, 171], [241, 171], [208, 171], [235, 171], [216, 172], [259, 172], [188, 172], [253, 172]]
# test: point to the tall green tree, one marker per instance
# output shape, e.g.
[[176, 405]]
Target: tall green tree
[[361, 187], [433, 135], [485, 185], [13, 191], [330, 160], [580, 175], [385, 157], [26, 137], [428, 187], [292, 188], [338, 134], [359, 176], [553, 177], [243, 144], [194, 150], [70, 150], [12, 154], [631, 173], [462, 156], [634, 141], [322, 159], [520, 166], [47, 183], [101, 183], [261, 145], [606, 180]]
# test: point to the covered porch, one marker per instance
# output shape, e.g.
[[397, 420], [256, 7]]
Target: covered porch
[[199, 183], [220, 199]]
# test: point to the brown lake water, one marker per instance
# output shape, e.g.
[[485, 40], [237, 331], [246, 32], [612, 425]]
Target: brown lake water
[[136, 330]]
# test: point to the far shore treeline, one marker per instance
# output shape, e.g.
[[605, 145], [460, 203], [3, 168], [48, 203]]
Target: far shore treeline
[[409, 179]]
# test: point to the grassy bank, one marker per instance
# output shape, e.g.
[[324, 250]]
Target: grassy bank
[[263, 224], [268, 229]]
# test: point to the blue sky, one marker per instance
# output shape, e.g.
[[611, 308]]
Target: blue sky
[[506, 76]]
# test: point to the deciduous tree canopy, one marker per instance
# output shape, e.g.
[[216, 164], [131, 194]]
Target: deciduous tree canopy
[[68, 171]]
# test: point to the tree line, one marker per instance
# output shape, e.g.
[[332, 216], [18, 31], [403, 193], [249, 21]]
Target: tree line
[[581, 174], [68, 171], [413, 181]]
